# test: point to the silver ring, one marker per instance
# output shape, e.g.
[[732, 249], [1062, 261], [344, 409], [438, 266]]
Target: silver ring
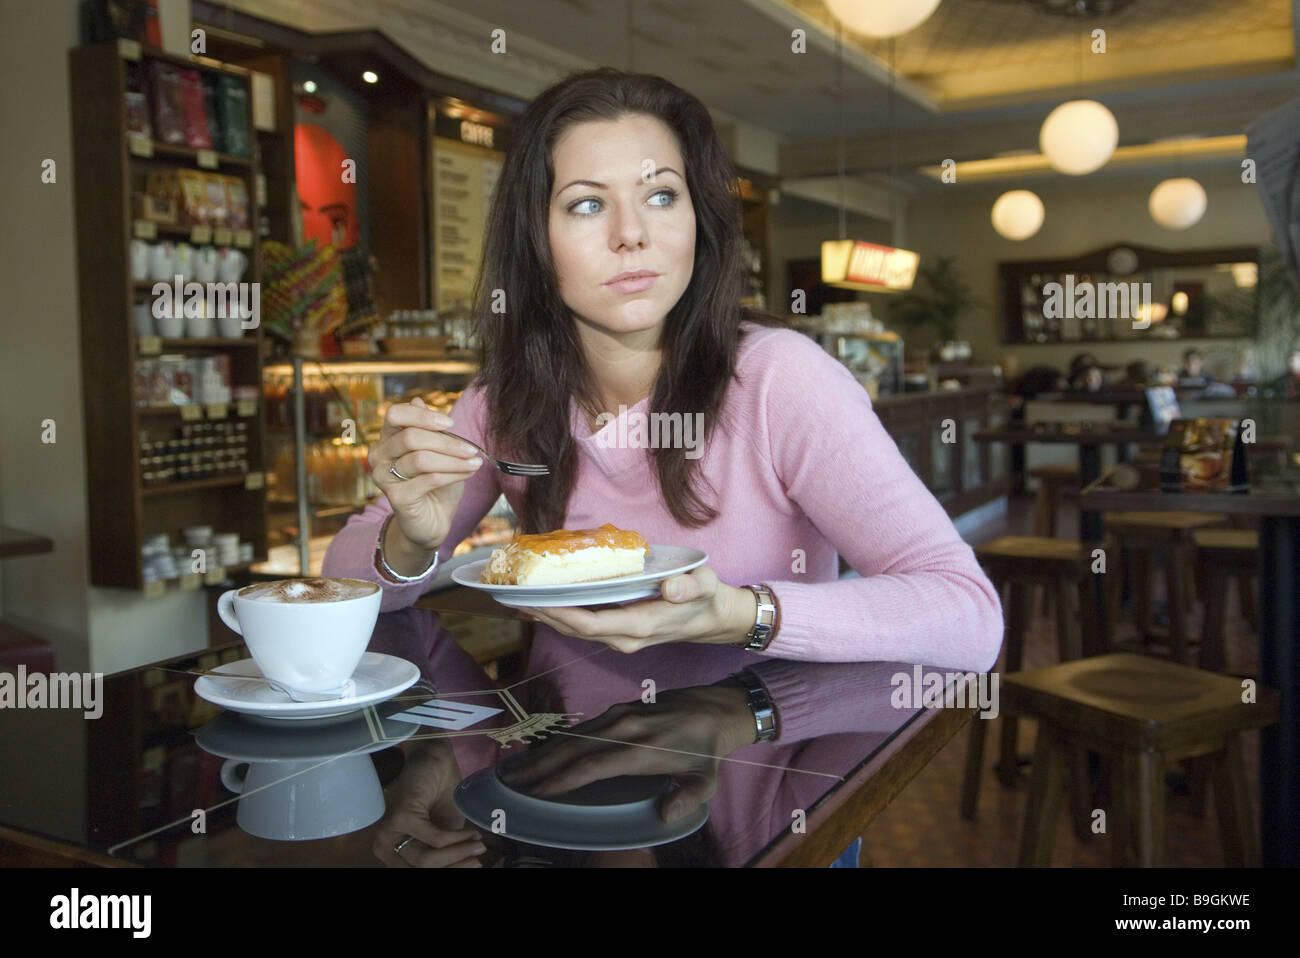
[[397, 849], [394, 471]]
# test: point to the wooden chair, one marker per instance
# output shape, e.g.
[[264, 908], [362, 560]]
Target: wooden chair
[[1142, 715], [1223, 554], [1052, 479], [1140, 538], [1017, 565]]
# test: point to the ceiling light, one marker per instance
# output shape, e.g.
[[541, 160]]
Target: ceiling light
[[1245, 275], [1178, 203], [309, 86], [1179, 303], [882, 18], [1018, 214], [370, 76], [1079, 136]]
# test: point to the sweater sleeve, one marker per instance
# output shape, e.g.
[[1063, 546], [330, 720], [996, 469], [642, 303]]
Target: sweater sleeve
[[351, 553], [922, 596]]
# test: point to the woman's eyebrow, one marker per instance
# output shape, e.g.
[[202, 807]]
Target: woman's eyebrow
[[601, 186]]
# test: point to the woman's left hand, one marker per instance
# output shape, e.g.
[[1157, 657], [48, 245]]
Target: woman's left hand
[[695, 607]]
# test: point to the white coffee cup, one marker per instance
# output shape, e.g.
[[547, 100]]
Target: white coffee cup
[[306, 646], [185, 261], [199, 327], [143, 319], [169, 326], [305, 800], [162, 262], [230, 264], [139, 259], [205, 264], [230, 327]]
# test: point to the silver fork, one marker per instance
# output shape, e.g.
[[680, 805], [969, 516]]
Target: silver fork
[[509, 468]]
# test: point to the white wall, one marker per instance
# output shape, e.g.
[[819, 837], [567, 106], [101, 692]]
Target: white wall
[[1083, 214], [43, 485]]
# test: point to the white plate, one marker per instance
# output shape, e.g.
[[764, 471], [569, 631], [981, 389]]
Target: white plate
[[378, 677], [617, 814], [660, 564]]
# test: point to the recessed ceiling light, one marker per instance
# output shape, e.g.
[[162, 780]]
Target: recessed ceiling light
[[370, 76], [309, 86]]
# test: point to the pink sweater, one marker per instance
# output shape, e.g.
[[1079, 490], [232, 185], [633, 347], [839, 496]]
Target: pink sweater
[[803, 472]]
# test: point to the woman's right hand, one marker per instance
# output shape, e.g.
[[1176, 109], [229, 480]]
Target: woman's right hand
[[413, 441]]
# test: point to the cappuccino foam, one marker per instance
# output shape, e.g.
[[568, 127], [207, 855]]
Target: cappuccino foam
[[308, 590]]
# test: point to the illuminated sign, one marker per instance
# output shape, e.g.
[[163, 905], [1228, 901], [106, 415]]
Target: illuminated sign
[[475, 133], [856, 264]]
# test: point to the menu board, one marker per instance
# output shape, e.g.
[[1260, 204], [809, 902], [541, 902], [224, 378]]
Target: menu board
[[464, 179]]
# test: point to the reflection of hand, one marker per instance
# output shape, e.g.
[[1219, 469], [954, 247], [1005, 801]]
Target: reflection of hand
[[695, 607], [683, 734], [420, 807]]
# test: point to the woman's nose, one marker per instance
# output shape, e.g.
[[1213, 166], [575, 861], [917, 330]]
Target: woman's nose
[[627, 228]]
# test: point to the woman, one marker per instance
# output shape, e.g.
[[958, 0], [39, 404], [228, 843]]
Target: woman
[[611, 274], [609, 287]]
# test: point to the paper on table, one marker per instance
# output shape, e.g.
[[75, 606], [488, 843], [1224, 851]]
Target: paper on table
[[444, 714], [1273, 142]]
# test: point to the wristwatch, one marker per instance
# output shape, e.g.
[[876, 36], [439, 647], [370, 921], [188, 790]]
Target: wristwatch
[[760, 636], [387, 571], [760, 703]]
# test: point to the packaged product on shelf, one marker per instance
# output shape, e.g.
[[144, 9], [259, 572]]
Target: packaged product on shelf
[[182, 379], [160, 383], [210, 112], [193, 194], [168, 108], [237, 203], [218, 205], [196, 122], [143, 381], [232, 108], [137, 103]]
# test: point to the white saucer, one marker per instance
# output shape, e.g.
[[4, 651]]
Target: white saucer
[[234, 736], [616, 814], [378, 677], [660, 564]]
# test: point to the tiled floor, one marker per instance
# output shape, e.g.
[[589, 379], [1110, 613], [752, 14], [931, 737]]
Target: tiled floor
[[923, 826]]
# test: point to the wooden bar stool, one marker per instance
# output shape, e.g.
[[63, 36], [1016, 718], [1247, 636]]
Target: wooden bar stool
[[1141, 537], [1142, 714], [1017, 565], [1052, 480], [1223, 554]]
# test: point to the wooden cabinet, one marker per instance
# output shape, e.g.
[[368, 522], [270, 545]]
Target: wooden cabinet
[[207, 482]]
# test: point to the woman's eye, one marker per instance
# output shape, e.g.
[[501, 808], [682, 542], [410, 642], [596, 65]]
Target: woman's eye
[[667, 197], [585, 207]]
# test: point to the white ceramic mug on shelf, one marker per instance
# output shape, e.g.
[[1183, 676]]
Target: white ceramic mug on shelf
[[139, 259], [185, 261], [143, 319], [162, 262], [205, 264], [230, 264], [304, 643]]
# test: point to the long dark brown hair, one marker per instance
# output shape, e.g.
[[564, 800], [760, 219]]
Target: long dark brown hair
[[532, 362]]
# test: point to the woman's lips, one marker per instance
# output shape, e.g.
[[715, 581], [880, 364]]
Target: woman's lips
[[635, 284]]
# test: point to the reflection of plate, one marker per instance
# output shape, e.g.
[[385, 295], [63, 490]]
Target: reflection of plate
[[234, 736], [662, 562], [616, 814], [377, 678]]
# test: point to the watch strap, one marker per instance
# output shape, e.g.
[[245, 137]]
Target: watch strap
[[765, 620], [760, 703]]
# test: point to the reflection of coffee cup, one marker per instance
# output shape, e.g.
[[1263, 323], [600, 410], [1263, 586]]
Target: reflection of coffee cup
[[304, 800], [305, 634]]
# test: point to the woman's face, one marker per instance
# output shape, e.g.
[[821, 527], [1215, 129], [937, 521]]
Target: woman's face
[[620, 205]]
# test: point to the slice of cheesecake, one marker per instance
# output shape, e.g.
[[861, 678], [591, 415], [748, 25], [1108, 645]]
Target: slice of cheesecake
[[564, 557]]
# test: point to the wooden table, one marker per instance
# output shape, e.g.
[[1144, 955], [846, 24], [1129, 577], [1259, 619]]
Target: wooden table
[[1277, 506]]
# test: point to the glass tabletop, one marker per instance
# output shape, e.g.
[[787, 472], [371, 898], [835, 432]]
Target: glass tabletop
[[574, 764]]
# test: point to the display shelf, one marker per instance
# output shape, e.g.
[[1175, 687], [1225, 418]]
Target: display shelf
[[109, 166]]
